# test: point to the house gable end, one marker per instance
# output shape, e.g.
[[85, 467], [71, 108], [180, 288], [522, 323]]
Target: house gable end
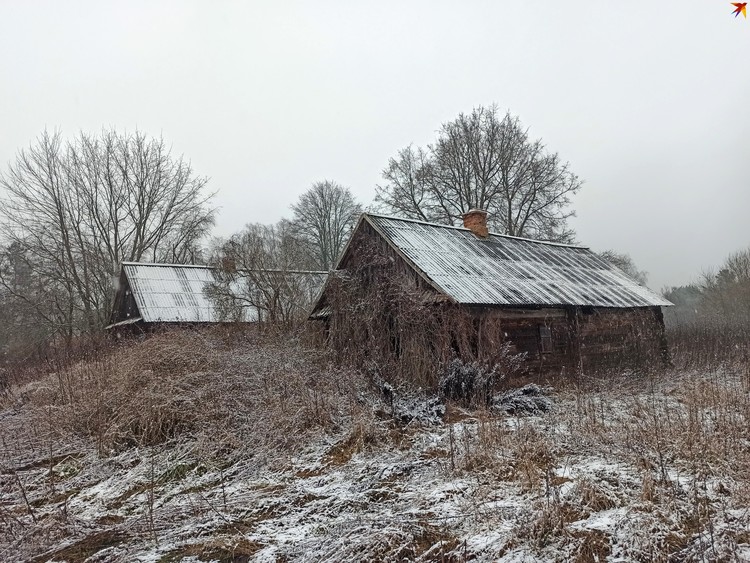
[[364, 231], [125, 306]]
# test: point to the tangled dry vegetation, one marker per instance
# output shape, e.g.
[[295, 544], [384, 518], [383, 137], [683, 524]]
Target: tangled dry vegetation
[[184, 383], [203, 446]]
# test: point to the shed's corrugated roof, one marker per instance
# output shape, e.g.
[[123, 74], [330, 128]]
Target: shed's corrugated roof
[[503, 270], [175, 293], [171, 293]]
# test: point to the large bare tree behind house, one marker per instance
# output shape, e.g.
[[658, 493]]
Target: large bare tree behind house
[[483, 160], [324, 217], [78, 208]]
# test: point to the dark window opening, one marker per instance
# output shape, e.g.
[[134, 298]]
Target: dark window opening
[[545, 340]]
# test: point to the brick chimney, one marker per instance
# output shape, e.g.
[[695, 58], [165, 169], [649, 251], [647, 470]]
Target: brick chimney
[[476, 221]]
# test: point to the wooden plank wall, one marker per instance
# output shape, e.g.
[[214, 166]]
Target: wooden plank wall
[[582, 339], [612, 338]]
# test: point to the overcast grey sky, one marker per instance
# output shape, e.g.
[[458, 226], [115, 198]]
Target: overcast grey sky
[[648, 100]]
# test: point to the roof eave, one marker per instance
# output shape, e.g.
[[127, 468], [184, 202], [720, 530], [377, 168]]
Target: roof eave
[[126, 322]]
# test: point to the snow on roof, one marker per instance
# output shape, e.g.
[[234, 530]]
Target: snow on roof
[[504, 270], [171, 292], [175, 293]]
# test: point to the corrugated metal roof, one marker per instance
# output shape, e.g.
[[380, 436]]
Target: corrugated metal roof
[[171, 293], [175, 293], [503, 270]]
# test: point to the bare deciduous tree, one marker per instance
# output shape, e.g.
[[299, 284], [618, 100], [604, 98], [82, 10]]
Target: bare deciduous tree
[[483, 161], [263, 274], [29, 311], [727, 292], [324, 216], [79, 208]]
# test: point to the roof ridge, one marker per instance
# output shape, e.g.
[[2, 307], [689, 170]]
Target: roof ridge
[[163, 264], [207, 267], [537, 241]]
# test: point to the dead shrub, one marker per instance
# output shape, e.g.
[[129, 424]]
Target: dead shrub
[[594, 495], [471, 383], [548, 522], [263, 390], [593, 546], [529, 399]]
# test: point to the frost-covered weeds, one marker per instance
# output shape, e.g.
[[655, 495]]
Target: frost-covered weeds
[[529, 399], [192, 447]]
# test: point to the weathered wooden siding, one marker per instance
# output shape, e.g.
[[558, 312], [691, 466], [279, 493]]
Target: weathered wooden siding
[[610, 338], [376, 258], [580, 339]]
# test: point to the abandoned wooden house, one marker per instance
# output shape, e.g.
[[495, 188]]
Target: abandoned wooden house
[[150, 295], [418, 294]]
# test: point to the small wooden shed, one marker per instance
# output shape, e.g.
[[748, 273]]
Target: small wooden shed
[[421, 293], [150, 294]]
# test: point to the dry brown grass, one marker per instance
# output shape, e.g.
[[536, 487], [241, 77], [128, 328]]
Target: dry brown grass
[[709, 341], [200, 384], [176, 405], [225, 550]]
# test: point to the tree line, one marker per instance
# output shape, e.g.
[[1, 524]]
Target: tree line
[[74, 209], [718, 295]]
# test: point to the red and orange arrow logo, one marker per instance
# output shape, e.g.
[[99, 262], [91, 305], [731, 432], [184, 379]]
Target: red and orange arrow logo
[[740, 8]]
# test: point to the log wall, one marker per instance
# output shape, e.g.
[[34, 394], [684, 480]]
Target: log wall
[[580, 339]]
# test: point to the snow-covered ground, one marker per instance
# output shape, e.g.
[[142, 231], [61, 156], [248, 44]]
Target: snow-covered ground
[[606, 475]]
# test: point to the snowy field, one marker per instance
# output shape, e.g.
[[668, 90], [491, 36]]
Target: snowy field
[[281, 467]]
